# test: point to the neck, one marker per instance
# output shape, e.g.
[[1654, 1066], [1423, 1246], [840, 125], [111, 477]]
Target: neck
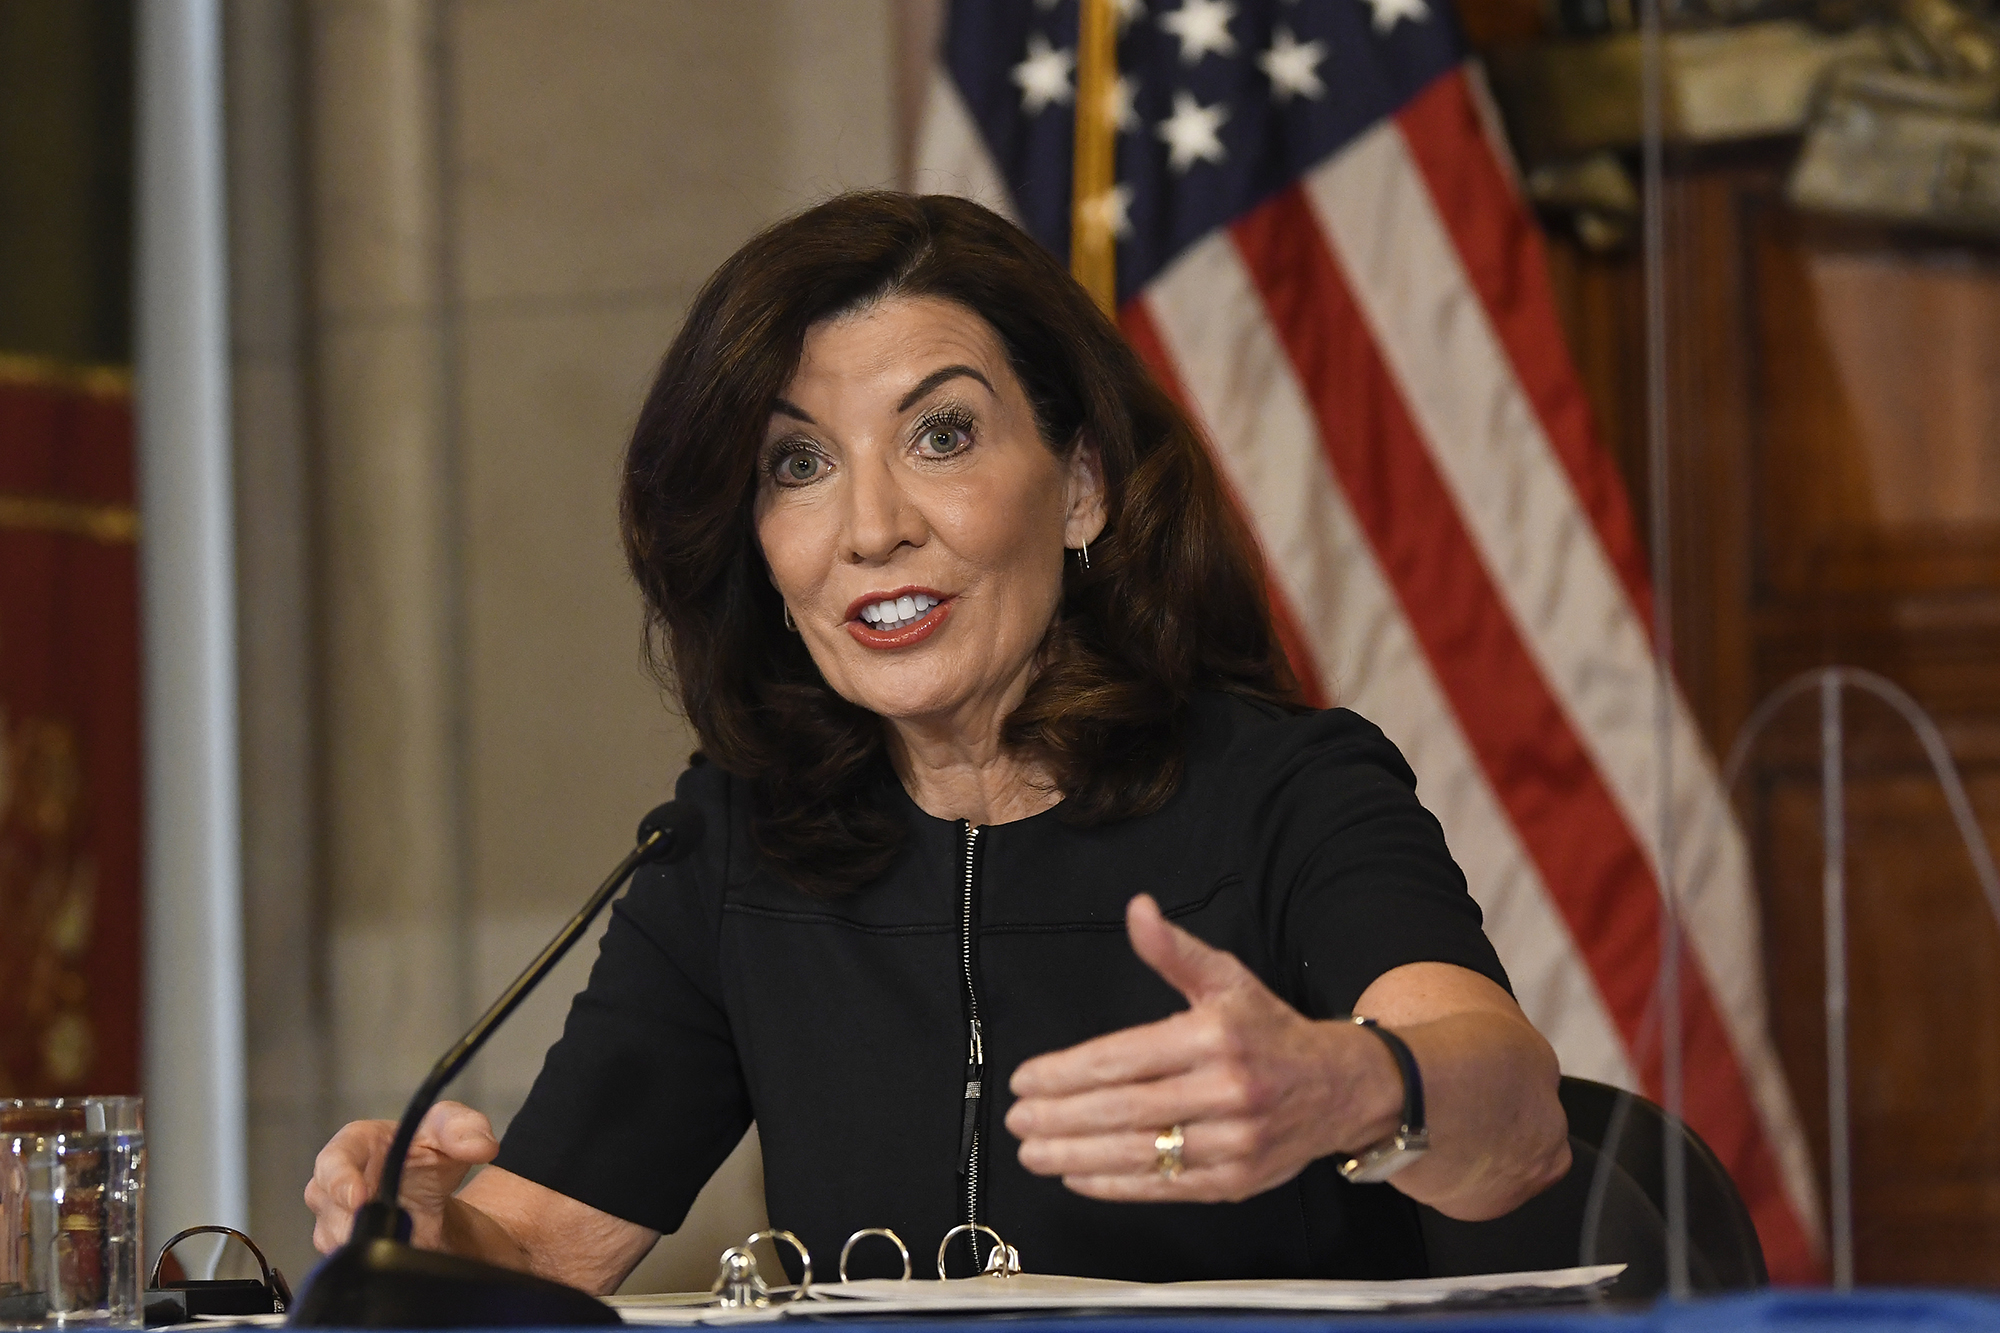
[[957, 768]]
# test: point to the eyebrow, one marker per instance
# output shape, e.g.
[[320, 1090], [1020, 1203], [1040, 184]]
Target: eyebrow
[[924, 386], [940, 376], [793, 411]]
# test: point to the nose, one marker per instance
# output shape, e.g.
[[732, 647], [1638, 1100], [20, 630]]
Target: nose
[[881, 518]]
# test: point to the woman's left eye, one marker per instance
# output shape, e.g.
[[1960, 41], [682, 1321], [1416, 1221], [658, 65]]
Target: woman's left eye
[[945, 438]]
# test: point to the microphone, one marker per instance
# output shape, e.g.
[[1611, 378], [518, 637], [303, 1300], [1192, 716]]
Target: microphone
[[378, 1279]]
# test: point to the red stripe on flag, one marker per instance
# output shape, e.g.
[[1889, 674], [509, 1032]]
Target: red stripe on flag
[[1501, 248], [1140, 331], [1568, 821]]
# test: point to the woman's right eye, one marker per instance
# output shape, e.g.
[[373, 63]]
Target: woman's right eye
[[795, 467]]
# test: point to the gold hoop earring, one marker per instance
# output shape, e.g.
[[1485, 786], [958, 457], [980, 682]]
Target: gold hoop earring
[[787, 609]]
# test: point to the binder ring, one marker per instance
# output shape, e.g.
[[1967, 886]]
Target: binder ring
[[805, 1256], [1005, 1261], [886, 1234], [738, 1283]]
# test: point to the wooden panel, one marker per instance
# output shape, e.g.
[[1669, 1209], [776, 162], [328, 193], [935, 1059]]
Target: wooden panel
[[1925, 1020], [1488, 23], [1880, 412]]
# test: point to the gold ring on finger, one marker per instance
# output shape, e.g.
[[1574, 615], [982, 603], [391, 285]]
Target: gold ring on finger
[[1167, 1145]]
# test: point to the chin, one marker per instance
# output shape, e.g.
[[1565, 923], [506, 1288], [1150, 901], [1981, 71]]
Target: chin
[[902, 707], [904, 696], [915, 685]]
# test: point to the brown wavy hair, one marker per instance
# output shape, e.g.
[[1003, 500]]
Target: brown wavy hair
[[1173, 601]]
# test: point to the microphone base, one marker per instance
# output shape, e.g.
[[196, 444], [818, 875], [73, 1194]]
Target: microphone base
[[384, 1283]]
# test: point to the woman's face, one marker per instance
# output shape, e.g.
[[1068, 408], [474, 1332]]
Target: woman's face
[[913, 520]]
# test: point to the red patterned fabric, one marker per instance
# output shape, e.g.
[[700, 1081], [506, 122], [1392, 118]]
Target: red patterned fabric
[[69, 735]]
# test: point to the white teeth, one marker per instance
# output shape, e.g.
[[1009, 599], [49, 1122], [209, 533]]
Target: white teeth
[[896, 612]]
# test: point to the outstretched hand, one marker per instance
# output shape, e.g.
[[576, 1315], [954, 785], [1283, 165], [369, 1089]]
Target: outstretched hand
[[1258, 1089]]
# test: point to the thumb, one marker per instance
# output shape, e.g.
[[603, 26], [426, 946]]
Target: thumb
[[1194, 969], [459, 1132]]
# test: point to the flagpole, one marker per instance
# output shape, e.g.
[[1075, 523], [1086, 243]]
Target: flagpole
[[1092, 241]]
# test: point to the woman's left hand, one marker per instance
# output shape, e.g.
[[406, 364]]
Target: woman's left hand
[[1259, 1089]]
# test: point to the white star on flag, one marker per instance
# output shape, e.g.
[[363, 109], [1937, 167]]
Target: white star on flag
[[1044, 76], [1292, 66], [1123, 96], [1387, 12], [1128, 10], [1109, 212], [1202, 26], [1191, 132]]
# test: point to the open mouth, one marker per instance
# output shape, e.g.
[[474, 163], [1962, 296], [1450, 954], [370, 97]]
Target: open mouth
[[894, 613], [898, 619]]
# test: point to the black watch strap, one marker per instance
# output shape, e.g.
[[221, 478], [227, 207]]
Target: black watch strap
[[1406, 1063], [1412, 1139]]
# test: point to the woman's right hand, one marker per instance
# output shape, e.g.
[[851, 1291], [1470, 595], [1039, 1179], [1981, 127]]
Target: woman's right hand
[[452, 1140]]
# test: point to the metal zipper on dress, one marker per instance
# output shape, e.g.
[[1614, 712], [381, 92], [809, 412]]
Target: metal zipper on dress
[[975, 1054]]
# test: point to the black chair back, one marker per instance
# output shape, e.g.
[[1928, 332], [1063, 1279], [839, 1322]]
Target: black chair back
[[1617, 1138], [1721, 1237]]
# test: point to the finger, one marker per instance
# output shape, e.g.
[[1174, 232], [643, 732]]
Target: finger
[[1208, 1144], [1196, 970], [1122, 1154], [1202, 1094], [458, 1133], [331, 1224], [1133, 1055], [450, 1140], [353, 1147], [331, 1230], [1222, 1184], [350, 1164]]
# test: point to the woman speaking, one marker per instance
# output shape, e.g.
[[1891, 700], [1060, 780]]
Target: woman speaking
[[1030, 896]]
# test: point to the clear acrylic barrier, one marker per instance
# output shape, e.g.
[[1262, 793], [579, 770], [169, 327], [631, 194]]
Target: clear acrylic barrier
[[1774, 233]]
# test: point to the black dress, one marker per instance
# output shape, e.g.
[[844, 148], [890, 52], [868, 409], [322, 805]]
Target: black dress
[[844, 1027]]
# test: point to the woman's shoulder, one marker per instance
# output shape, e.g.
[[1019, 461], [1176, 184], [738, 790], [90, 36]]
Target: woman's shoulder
[[720, 804], [1240, 739]]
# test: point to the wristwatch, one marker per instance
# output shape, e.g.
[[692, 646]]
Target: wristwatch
[[1379, 1161]]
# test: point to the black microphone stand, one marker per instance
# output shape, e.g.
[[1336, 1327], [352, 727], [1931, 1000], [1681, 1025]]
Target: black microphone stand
[[378, 1279]]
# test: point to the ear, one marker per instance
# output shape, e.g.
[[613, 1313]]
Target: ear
[[1083, 495]]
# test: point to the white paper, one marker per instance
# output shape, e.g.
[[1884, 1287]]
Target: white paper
[[1033, 1291]]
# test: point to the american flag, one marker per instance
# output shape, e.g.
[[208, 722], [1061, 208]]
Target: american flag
[[1322, 253]]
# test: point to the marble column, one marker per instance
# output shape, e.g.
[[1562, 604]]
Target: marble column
[[387, 522]]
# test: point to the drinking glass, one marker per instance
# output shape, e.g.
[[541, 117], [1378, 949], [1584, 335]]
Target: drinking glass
[[72, 1189]]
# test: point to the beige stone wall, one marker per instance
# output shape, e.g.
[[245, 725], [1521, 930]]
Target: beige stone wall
[[463, 234]]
